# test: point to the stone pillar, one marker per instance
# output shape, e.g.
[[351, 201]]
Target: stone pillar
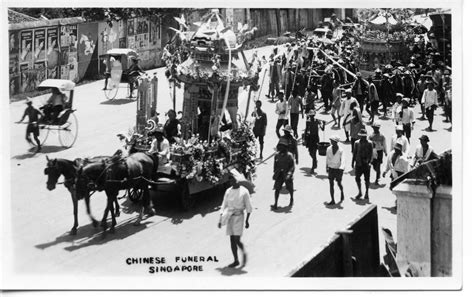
[[424, 228], [413, 226], [441, 233]]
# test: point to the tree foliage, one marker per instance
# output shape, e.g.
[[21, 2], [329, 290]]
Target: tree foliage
[[100, 14]]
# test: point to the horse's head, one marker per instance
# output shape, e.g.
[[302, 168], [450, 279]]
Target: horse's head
[[53, 172]]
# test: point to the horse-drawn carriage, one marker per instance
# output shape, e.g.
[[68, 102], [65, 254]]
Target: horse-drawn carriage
[[118, 61], [65, 123]]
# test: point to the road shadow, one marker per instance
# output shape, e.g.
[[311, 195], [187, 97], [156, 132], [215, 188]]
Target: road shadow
[[45, 149], [118, 101], [335, 128], [449, 129], [375, 186], [122, 231], [166, 204], [83, 233], [360, 201], [307, 171], [333, 206], [429, 130], [392, 210], [285, 209], [352, 172], [229, 271], [321, 176]]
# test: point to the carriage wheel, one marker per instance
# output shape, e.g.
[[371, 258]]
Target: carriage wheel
[[43, 135], [135, 194], [111, 93], [186, 199], [67, 132]]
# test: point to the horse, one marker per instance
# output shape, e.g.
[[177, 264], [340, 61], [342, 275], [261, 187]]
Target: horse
[[69, 169], [118, 174]]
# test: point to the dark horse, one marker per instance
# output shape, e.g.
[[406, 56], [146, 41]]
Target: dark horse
[[69, 169], [119, 174]]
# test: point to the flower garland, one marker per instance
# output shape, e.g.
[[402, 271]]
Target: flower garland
[[194, 159]]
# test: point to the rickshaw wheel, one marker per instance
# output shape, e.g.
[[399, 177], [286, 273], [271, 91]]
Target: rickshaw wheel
[[187, 200], [111, 93], [43, 135], [135, 194], [67, 132]]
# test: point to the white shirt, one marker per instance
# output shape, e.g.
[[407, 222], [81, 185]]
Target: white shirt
[[419, 153], [236, 199], [408, 116], [429, 98], [403, 141], [163, 151], [401, 164], [280, 107], [335, 161]]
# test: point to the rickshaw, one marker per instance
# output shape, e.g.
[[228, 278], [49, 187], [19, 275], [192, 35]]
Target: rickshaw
[[118, 60], [66, 122]]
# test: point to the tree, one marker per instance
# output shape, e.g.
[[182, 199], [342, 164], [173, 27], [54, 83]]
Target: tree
[[100, 14]]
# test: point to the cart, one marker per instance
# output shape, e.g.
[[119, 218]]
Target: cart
[[118, 61], [66, 124]]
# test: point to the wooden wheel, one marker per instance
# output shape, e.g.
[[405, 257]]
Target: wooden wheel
[[67, 132], [186, 199], [135, 194], [111, 93]]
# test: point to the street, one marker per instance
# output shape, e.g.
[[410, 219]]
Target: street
[[276, 240]]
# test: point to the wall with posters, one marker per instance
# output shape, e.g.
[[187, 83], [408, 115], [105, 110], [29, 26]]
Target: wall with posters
[[75, 49], [87, 50]]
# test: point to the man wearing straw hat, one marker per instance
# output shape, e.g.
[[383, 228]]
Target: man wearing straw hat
[[281, 109], [380, 148], [311, 137], [430, 101], [361, 159], [397, 162], [424, 152], [283, 169], [292, 142], [33, 117], [400, 138], [134, 72], [335, 166], [236, 201], [295, 104]]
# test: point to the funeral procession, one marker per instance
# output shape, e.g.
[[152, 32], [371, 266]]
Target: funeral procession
[[242, 142]]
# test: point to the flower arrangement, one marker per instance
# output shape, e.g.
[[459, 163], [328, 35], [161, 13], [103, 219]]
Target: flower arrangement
[[203, 161]]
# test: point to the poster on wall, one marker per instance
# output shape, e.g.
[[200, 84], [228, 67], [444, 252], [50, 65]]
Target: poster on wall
[[26, 46], [40, 44], [69, 37], [14, 85], [87, 49], [123, 42], [131, 27], [13, 65], [27, 78], [52, 53], [108, 37], [122, 28], [64, 72], [40, 69], [13, 44], [131, 42]]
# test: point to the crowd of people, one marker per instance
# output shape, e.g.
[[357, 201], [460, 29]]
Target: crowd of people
[[309, 70]]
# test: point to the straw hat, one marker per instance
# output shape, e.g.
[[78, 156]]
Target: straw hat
[[398, 146], [312, 112], [399, 128], [376, 124], [362, 133], [424, 138], [288, 128]]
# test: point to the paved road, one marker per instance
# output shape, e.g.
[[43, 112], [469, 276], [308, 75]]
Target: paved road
[[276, 241]]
